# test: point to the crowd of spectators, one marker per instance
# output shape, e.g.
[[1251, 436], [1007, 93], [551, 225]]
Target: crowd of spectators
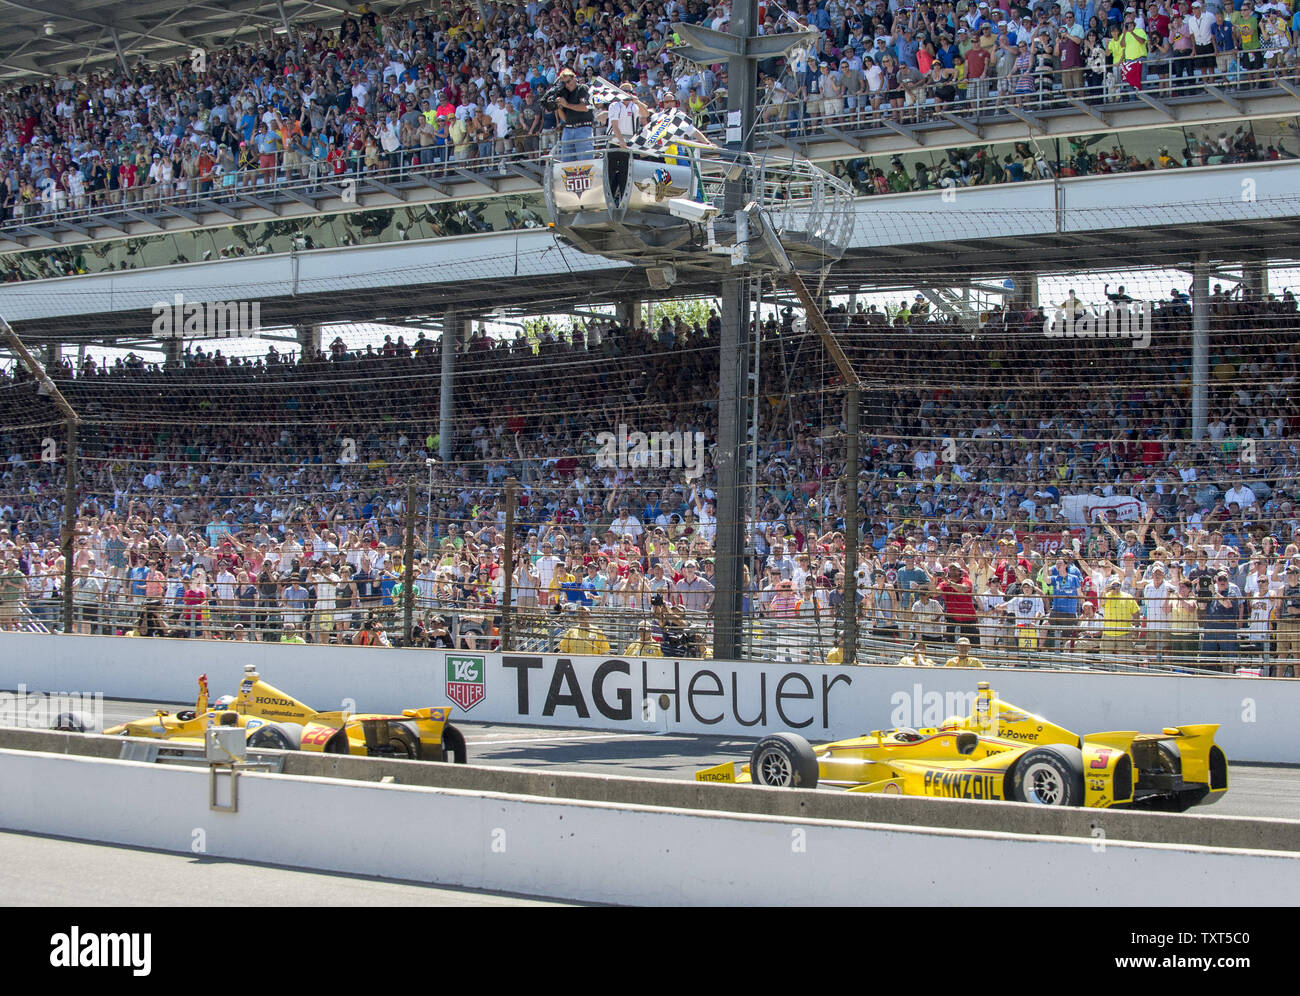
[[267, 499], [465, 84]]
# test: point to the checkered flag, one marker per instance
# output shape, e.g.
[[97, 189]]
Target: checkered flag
[[603, 92], [665, 128]]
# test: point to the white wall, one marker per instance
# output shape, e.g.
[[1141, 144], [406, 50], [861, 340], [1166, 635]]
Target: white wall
[[599, 852], [1257, 715]]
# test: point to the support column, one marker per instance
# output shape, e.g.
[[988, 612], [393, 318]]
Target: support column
[[309, 339], [733, 357], [173, 352], [1025, 293], [53, 356], [627, 312], [1254, 273], [729, 544], [1200, 345], [451, 332]]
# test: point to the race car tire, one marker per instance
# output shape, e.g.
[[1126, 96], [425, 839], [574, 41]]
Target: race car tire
[[276, 736], [784, 760], [404, 740], [1049, 776], [75, 722], [453, 745]]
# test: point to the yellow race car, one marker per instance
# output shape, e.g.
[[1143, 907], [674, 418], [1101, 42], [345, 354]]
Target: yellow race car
[[274, 719], [1004, 753]]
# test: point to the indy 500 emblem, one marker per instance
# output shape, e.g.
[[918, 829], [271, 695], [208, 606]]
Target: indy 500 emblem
[[577, 179]]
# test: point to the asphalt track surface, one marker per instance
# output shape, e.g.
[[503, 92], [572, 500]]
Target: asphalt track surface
[[50, 871], [53, 871]]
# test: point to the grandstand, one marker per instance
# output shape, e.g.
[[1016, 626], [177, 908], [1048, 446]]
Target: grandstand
[[1055, 489]]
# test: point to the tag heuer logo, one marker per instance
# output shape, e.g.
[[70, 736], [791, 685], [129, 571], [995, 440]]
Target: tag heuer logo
[[577, 178], [466, 684]]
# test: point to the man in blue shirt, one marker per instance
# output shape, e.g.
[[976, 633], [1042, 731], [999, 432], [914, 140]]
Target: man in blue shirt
[[906, 46], [1065, 584]]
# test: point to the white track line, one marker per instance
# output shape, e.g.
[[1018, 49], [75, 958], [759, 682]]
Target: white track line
[[561, 739]]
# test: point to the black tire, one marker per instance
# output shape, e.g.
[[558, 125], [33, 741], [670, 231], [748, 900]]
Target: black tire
[[75, 722], [784, 760], [1171, 758], [453, 745], [404, 740], [1049, 776], [276, 736]]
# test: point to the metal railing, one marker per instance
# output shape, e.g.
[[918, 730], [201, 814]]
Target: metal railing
[[805, 638]]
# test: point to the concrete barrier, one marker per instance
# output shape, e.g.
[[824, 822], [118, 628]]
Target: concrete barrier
[[606, 853], [1200, 828], [1256, 715]]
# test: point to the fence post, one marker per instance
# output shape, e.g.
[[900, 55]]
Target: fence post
[[408, 565], [69, 520], [852, 412], [508, 565]]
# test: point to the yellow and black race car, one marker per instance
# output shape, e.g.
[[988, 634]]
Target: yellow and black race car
[[1004, 753], [274, 719]]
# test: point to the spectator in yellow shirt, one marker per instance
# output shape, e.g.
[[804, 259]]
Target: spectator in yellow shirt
[[584, 638], [1119, 611], [836, 656], [644, 645], [963, 657], [917, 657]]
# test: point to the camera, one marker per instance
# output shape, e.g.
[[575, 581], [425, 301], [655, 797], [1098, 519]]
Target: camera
[[656, 599]]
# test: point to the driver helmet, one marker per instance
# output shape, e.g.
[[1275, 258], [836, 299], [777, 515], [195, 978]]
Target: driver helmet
[[225, 702]]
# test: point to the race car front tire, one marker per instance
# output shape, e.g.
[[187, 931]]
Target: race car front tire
[[1049, 776], [784, 760], [276, 736]]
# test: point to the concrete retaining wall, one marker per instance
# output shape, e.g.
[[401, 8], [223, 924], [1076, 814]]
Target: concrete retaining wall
[[606, 853], [1202, 828], [1256, 715]]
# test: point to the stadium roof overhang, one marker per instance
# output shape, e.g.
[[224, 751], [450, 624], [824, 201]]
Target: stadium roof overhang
[[1234, 214], [51, 37]]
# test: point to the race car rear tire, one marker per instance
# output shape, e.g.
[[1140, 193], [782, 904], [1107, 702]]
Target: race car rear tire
[[404, 740], [276, 736], [1049, 776], [75, 722], [784, 760], [453, 745]]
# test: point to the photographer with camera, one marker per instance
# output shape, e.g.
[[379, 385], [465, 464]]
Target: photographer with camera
[[571, 102], [679, 638]]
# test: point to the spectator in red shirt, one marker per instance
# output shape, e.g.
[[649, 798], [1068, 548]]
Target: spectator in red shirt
[[959, 605]]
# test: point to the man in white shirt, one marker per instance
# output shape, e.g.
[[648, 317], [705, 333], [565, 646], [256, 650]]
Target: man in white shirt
[[1240, 494], [623, 117], [547, 564], [1157, 601], [927, 618], [627, 523]]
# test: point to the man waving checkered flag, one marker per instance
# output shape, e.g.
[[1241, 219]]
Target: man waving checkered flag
[[667, 128]]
